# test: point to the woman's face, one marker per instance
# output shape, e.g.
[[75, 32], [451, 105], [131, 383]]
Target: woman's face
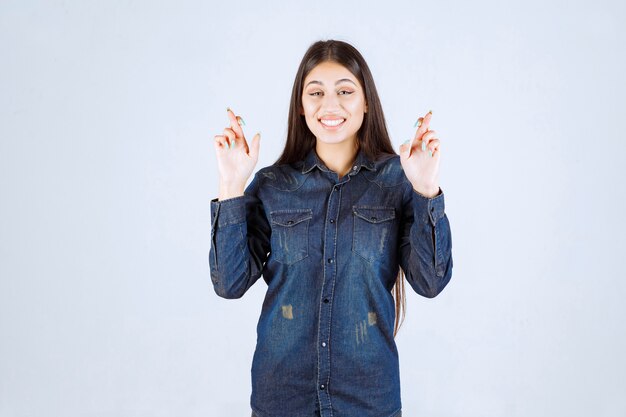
[[332, 95]]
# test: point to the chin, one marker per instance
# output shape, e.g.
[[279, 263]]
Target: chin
[[332, 140]]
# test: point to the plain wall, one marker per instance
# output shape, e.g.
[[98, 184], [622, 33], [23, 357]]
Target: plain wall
[[107, 116]]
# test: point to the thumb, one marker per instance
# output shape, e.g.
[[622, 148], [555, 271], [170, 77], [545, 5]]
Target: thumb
[[404, 149], [254, 146]]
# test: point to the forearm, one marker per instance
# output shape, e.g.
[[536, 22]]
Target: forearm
[[239, 244], [427, 253]]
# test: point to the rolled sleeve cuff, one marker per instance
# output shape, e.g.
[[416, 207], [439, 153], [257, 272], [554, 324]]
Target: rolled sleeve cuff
[[429, 209], [229, 211]]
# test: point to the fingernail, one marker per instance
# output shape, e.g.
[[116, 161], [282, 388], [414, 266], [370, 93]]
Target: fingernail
[[232, 144], [227, 108], [430, 153], [405, 142], [430, 111], [423, 145], [419, 122], [240, 120]]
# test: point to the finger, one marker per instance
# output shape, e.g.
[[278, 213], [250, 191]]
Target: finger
[[418, 144], [221, 142], [433, 144], [413, 140], [427, 137], [424, 125], [434, 147], [405, 149], [234, 122], [254, 146], [232, 140]]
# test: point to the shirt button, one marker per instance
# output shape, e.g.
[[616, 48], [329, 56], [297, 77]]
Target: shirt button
[[330, 260], [354, 167], [332, 220], [323, 344], [325, 300], [322, 386]]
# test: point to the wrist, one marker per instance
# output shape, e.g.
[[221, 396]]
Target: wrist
[[428, 192], [230, 191]]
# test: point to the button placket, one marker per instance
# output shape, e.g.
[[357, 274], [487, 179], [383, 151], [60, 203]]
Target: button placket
[[330, 272]]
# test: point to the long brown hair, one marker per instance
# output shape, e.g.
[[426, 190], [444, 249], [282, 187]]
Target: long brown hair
[[372, 136]]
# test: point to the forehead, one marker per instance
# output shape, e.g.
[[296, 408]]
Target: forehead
[[328, 73]]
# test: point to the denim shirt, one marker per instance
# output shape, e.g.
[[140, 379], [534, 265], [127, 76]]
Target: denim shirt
[[329, 250]]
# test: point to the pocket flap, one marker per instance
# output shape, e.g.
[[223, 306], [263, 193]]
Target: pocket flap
[[374, 214], [290, 217]]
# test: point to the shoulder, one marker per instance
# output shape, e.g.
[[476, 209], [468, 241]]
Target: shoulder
[[388, 172], [287, 177]]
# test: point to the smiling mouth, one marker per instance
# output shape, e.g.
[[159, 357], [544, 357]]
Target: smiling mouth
[[332, 123]]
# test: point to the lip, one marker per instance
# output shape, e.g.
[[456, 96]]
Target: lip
[[332, 127]]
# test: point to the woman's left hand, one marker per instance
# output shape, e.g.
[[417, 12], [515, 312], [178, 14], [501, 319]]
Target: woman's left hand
[[422, 169]]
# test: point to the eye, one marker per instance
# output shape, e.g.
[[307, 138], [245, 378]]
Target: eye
[[314, 94]]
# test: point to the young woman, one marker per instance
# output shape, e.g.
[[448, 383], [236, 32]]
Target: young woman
[[332, 226]]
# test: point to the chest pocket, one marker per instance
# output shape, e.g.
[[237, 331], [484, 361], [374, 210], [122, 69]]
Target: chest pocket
[[372, 227], [290, 234]]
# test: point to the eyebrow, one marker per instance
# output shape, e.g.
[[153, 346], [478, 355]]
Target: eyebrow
[[321, 83]]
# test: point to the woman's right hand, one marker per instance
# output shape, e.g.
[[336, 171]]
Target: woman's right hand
[[235, 160]]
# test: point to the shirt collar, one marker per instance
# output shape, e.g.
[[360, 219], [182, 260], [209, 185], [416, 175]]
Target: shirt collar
[[312, 160]]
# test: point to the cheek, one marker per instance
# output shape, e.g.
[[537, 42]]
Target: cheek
[[357, 112], [356, 106], [309, 110]]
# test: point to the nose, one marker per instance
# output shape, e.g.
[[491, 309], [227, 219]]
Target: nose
[[330, 103]]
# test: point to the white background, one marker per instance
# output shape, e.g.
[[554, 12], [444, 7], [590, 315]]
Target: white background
[[107, 117]]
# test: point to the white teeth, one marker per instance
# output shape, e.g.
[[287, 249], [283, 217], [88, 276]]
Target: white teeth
[[332, 122]]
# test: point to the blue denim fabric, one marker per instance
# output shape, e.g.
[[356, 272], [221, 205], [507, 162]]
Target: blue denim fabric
[[329, 250], [317, 415]]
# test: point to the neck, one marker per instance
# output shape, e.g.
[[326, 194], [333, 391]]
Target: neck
[[338, 157]]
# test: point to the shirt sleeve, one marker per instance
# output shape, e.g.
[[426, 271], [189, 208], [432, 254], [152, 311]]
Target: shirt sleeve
[[240, 242], [425, 243]]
